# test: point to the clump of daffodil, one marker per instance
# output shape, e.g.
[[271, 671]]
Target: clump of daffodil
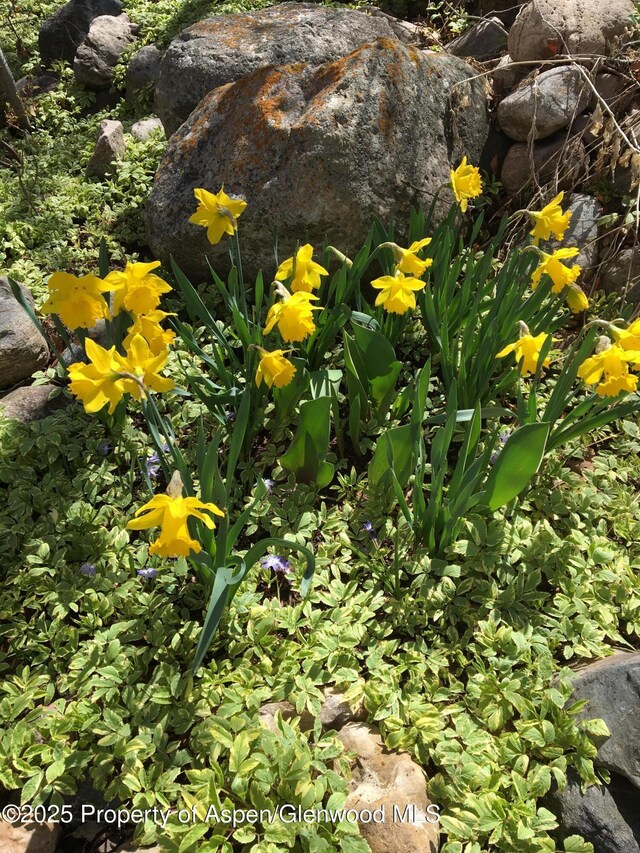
[[171, 513], [77, 301], [103, 381], [397, 292], [218, 213], [305, 271], [551, 265], [293, 315], [137, 288], [407, 260], [608, 369], [274, 368], [466, 183], [550, 220], [145, 367], [527, 350], [577, 299], [149, 326]]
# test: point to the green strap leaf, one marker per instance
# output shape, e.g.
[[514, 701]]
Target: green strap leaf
[[516, 465], [306, 458]]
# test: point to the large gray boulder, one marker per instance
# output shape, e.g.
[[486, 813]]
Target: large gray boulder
[[223, 49], [61, 34], [106, 41], [546, 28], [545, 104], [317, 151], [608, 816], [23, 350], [142, 71]]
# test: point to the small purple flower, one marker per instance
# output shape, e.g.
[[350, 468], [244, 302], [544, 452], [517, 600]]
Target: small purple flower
[[230, 416], [502, 439], [153, 462], [276, 564], [88, 569], [148, 573], [369, 529], [103, 448]]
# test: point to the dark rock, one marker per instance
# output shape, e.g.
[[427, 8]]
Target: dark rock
[[582, 231], [545, 28], [23, 350], [30, 87], [608, 816], [31, 403], [316, 151], [505, 10], [143, 70], [546, 104], [61, 34], [225, 48], [621, 275], [485, 40], [110, 146], [96, 57], [555, 160]]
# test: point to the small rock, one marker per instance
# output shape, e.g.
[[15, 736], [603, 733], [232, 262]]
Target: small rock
[[30, 87], [28, 838], [545, 29], [395, 783], [31, 403], [110, 146], [147, 127], [336, 711], [287, 711], [23, 350], [582, 231], [106, 41], [485, 40], [610, 86], [544, 105], [61, 34], [506, 75], [143, 70], [558, 159], [621, 275], [608, 815]]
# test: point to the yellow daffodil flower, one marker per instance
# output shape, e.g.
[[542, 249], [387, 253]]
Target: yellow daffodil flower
[[293, 315], [577, 299], [218, 212], [397, 292], [527, 350], [148, 325], [171, 513], [608, 368], [77, 301], [550, 220], [274, 368], [306, 272], [136, 288], [100, 382], [629, 338], [466, 183], [408, 261], [146, 366], [559, 274]]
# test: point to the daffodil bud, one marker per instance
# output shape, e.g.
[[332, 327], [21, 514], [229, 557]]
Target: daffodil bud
[[174, 489], [603, 343], [524, 329]]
